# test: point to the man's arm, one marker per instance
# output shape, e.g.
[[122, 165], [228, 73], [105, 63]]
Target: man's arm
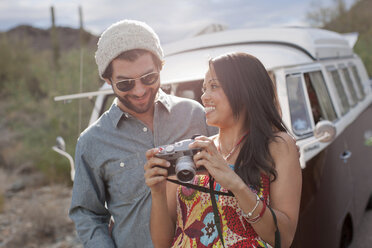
[[87, 210]]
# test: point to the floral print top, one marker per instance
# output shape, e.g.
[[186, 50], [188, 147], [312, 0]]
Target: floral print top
[[195, 218]]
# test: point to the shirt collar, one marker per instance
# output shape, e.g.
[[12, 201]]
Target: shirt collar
[[116, 114], [163, 98]]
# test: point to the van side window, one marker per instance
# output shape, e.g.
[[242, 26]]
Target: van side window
[[320, 101], [191, 89], [342, 98], [300, 118], [166, 88], [358, 81], [350, 86], [273, 79]]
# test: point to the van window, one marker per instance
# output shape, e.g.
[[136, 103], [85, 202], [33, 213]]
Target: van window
[[320, 101], [166, 88], [273, 79], [300, 118], [272, 76], [342, 98], [358, 81], [349, 84], [191, 89]]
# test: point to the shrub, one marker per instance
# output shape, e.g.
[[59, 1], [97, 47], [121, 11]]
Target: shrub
[[28, 84], [1, 202]]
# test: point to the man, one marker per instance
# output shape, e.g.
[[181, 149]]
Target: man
[[110, 154]]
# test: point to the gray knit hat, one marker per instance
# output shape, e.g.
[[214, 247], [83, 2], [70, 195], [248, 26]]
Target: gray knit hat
[[123, 36]]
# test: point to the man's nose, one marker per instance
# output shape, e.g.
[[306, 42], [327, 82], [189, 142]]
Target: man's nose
[[139, 88]]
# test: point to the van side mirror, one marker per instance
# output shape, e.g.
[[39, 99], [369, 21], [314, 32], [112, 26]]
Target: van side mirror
[[60, 148], [324, 132], [60, 143]]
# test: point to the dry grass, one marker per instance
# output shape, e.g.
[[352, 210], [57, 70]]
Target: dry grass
[[41, 217], [1, 202], [2, 190]]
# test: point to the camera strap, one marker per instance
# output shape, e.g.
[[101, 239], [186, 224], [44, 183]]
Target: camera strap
[[212, 192], [217, 219], [200, 188], [215, 209]]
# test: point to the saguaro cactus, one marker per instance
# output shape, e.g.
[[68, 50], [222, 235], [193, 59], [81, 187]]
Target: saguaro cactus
[[55, 42]]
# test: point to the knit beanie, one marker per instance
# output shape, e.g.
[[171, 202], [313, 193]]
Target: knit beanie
[[123, 36]]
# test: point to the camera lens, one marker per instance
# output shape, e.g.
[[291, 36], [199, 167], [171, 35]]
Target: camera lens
[[185, 169]]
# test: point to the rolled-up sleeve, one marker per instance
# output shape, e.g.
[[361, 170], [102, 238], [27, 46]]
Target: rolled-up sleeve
[[88, 209]]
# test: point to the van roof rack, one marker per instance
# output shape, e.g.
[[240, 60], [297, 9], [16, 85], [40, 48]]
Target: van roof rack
[[316, 43]]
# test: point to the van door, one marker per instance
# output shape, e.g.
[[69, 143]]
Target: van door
[[327, 183], [358, 153]]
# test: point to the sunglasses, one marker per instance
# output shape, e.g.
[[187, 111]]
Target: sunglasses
[[128, 84]]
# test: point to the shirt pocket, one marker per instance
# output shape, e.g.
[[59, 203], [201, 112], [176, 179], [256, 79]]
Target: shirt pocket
[[126, 179]]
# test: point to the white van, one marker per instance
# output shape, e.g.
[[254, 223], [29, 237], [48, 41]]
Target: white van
[[326, 102]]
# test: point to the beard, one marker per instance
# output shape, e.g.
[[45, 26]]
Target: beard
[[139, 109]]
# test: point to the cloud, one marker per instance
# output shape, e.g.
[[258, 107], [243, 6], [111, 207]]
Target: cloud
[[171, 19]]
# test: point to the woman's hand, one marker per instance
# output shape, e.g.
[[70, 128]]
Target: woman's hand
[[164, 202], [155, 171], [216, 165]]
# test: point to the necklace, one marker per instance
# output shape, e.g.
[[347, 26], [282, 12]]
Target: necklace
[[233, 149]]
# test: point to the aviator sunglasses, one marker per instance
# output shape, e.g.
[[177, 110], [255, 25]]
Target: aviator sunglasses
[[128, 84]]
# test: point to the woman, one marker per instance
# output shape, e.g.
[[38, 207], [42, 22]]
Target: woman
[[252, 156]]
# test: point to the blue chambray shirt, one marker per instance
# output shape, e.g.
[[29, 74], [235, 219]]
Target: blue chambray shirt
[[109, 160]]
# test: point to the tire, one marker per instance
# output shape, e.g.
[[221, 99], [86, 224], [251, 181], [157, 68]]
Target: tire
[[346, 233], [369, 204]]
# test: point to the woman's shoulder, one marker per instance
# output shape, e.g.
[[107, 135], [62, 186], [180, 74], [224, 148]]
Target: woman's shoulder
[[283, 137], [282, 142], [284, 151]]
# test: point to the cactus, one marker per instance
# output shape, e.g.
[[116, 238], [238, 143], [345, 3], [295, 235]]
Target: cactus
[[55, 42]]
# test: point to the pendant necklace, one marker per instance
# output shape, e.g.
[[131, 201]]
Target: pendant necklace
[[233, 149]]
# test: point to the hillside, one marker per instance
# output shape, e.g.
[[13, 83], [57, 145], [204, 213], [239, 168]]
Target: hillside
[[40, 39], [35, 185], [357, 19], [29, 80]]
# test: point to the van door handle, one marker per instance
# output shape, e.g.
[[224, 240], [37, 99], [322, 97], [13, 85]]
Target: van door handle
[[345, 155]]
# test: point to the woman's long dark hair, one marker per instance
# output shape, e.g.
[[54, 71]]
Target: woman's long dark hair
[[251, 95]]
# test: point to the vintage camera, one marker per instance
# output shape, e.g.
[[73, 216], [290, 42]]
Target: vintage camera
[[180, 157]]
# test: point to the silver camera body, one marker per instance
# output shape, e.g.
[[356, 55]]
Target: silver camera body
[[180, 157]]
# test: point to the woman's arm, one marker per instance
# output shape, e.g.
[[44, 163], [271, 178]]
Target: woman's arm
[[163, 216], [285, 193], [163, 207]]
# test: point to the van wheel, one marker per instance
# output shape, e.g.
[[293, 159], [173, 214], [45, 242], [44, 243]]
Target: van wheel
[[346, 233], [369, 204]]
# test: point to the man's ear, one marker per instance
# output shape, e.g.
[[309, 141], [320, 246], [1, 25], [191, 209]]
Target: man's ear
[[108, 81], [161, 65]]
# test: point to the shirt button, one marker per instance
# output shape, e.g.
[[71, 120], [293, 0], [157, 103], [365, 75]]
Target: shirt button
[[145, 129], [122, 164]]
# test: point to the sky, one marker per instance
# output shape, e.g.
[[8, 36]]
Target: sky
[[171, 19]]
